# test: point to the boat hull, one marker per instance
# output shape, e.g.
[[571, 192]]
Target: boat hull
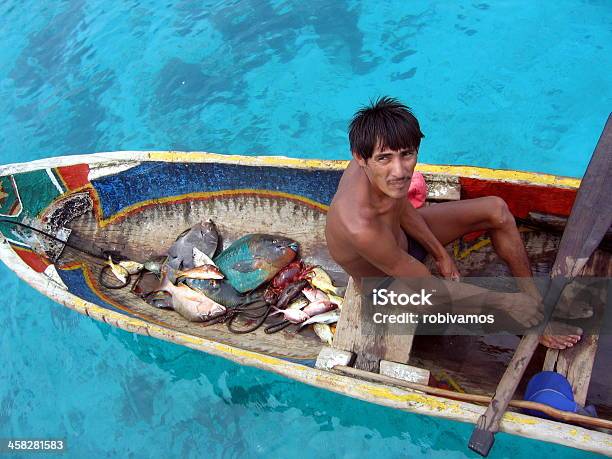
[[141, 200]]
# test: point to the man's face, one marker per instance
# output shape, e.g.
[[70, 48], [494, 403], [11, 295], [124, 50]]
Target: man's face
[[390, 171]]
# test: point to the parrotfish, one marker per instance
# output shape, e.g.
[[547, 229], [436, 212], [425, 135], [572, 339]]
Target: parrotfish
[[203, 236], [254, 259]]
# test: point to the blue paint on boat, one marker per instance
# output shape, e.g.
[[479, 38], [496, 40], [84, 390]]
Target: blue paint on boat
[[155, 180]]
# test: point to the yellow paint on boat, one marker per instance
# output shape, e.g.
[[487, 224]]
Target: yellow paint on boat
[[283, 161], [508, 416], [275, 161], [465, 253], [431, 402], [532, 178], [248, 355]]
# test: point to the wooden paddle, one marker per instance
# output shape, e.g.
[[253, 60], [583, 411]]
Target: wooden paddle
[[588, 222]]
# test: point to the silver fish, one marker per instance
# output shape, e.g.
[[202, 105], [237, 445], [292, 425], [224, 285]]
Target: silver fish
[[191, 304], [292, 315], [299, 303], [329, 317]]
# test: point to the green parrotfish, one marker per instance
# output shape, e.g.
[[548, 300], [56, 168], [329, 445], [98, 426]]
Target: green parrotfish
[[254, 259]]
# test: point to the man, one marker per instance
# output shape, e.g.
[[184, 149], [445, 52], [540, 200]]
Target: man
[[373, 230]]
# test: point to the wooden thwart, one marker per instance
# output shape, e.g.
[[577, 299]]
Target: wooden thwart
[[370, 342]]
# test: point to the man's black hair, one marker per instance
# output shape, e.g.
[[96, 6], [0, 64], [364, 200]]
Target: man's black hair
[[387, 123]]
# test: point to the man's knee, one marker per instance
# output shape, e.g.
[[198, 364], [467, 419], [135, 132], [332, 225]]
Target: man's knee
[[499, 213]]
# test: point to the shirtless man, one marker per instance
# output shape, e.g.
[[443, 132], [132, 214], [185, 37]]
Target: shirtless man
[[373, 230]]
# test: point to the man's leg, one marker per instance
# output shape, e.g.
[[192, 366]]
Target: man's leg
[[451, 220]]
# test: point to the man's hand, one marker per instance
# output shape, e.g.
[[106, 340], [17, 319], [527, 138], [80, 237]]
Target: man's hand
[[447, 268]]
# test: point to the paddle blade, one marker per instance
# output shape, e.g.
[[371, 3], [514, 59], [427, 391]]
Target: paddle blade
[[589, 220], [591, 214]]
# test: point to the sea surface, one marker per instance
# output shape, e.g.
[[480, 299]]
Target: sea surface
[[505, 84]]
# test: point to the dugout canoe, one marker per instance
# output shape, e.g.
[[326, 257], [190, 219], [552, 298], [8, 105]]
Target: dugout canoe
[[136, 203]]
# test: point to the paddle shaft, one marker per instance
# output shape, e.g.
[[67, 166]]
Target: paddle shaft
[[589, 221]]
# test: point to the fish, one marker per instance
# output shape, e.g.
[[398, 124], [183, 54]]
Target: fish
[[221, 291], [319, 307], [119, 271], [203, 236], [329, 317], [337, 300], [254, 259], [201, 272], [299, 303], [324, 332], [191, 304], [200, 258], [314, 294], [132, 267], [292, 315], [153, 266], [321, 280], [160, 299], [290, 293]]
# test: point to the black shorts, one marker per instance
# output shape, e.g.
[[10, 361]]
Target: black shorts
[[416, 250]]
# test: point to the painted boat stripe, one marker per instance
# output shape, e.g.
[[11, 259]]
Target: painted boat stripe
[[282, 161], [54, 181]]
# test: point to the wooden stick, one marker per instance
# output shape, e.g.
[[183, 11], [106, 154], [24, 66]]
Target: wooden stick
[[588, 222]]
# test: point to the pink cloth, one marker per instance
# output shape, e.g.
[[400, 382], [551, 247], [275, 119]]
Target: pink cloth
[[417, 192]]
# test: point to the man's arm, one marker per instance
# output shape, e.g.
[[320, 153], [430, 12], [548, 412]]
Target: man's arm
[[377, 245], [417, 228]]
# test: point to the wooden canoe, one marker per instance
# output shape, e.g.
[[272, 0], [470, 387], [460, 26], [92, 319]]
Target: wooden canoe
[[136, 203]]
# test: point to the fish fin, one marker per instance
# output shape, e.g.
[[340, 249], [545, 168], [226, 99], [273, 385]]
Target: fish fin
[[247, 266]]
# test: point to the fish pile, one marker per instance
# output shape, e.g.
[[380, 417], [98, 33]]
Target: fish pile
[[257, 276], [318, 303]]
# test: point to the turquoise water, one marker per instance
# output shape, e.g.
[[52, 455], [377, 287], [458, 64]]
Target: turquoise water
[[522, 85]]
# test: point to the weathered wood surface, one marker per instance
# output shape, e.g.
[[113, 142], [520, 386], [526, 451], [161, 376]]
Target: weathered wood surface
[[576, 363], [585, 229], [368, 341], [442, 187]]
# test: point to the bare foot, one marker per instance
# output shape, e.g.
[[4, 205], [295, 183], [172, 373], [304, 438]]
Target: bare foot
[[559, 341], [560, 336]]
